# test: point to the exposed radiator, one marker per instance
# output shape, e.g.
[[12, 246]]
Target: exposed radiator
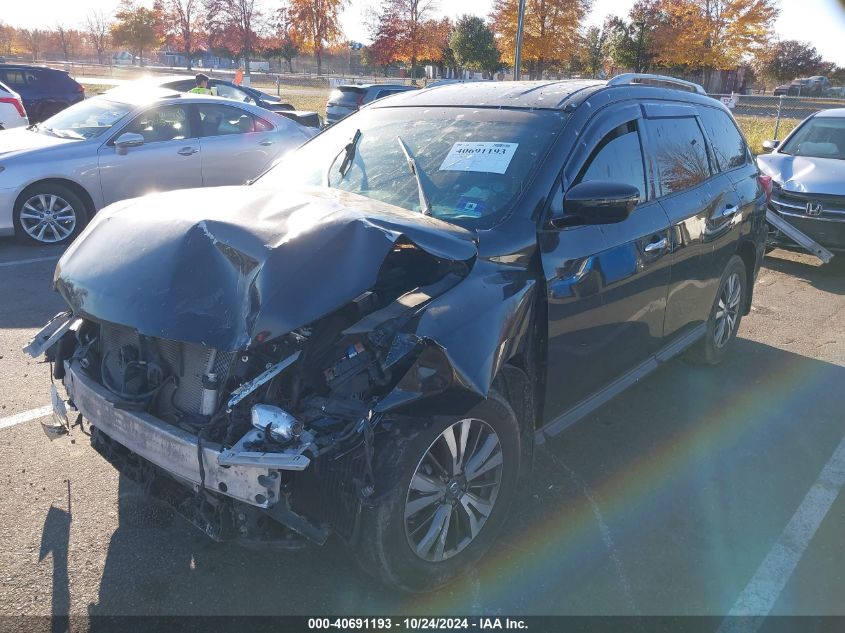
[[187, 361]]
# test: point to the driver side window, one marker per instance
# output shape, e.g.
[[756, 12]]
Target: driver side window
[[164, 123]]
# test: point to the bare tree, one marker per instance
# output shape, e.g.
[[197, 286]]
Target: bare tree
[[98, 32], [33, 38], [68, 40]]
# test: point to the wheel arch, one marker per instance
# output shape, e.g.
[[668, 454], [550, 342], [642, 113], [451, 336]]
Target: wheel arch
[[75, 187]]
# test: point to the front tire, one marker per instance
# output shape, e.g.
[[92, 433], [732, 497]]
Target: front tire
[[725, 315], [457, 479], [49, 214]]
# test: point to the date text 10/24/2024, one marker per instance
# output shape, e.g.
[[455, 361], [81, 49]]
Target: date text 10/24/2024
[[417, 624]]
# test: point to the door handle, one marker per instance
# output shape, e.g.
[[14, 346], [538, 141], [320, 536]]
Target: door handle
[[729, 211], [187, 151], [659, 245], [266, 142]]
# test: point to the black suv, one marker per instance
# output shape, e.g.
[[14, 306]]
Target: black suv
[[44, 91], [370, 339]]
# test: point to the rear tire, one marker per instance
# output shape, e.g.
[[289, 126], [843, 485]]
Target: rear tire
[[431, 526], [725, 316], [49, 214]]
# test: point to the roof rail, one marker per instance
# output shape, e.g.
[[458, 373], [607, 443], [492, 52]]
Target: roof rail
[[662, 81]]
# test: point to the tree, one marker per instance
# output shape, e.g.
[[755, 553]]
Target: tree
[[281, 44], [236, 24], [632, 43], [68, 40], [181, 26], [550, 31], [98, 32], [33, 40], [714, 34], [410, 33], [7, 39], [595, 47], [316, 25], [137, 28], [474, 45], [789, 59]]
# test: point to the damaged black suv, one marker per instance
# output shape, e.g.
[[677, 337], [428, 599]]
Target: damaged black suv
[[369, 340]]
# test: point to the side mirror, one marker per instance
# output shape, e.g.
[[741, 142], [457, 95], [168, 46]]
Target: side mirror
[[598, 202], [770, 145], [127, 140]]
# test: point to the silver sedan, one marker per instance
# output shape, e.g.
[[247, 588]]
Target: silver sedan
[[124, 144]]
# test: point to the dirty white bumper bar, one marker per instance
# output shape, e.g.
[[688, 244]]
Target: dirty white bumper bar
[[171, 448]]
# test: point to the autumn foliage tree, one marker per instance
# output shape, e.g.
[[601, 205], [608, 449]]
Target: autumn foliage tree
[[137, 28], [407, 31], [316, 25], [550, 31], [97, 32], [181, 26], [790, 59], [233, 26]]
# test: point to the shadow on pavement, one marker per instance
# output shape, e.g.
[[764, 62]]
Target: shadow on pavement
[[55, 541], [663, 502], [27, 299], [828, 277]]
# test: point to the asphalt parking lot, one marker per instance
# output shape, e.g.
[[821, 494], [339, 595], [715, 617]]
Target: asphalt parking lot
[[699, 491]]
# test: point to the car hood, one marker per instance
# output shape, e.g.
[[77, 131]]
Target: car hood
[[802, 174], [231, 267], [23, 140]]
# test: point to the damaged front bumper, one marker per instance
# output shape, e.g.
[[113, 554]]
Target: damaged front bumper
[[241, 476]]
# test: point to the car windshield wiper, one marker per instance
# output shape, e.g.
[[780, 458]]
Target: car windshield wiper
[[425, 205], [348, 156]]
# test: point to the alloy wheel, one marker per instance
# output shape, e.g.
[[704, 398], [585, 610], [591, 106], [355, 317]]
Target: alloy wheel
[[453, 490], [727, 310], [48, 218]]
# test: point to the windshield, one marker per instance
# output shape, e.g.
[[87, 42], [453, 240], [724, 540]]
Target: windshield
[[820, 137], [86, 119], [473, 163]]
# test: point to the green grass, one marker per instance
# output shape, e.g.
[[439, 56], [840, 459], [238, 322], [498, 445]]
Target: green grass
[[759, 129], [92, 90]]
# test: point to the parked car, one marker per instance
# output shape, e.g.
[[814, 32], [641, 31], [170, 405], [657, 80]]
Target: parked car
[[44, 91], [12, 113], [244, 94], [56, 175], [810, 87], [808, 180], [344, 100], [370, 338]]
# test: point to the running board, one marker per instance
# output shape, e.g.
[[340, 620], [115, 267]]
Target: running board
[[798, 237]]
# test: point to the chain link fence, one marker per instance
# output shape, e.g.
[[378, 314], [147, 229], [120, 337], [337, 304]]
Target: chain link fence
[[764, 117]]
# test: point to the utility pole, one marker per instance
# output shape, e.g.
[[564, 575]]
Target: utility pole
[[517, 58], [641, 24]]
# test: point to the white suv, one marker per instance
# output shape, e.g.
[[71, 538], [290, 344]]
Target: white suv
[[12, 113]]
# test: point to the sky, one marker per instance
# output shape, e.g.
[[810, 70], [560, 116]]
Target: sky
[[821, 22]]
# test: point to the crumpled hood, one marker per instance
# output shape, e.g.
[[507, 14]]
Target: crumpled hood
[[229, 267], [802, 174], [23, 140]]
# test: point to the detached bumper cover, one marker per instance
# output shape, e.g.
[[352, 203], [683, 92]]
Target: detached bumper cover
[[173, 450]]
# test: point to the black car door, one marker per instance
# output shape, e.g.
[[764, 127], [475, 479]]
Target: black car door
[[606, 284], [703, 209]]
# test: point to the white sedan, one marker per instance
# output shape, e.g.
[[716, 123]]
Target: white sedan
[[54, 176], [12, 113]]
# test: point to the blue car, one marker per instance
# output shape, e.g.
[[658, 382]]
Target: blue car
[[44, 91]]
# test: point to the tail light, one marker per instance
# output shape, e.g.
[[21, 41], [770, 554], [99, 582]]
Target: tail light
[[766, 184], [15, 102], [80, 88]]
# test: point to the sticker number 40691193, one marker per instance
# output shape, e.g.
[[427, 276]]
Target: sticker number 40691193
[[479, 156]]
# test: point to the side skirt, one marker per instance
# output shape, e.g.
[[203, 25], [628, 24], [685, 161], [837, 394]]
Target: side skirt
[[586, 407]]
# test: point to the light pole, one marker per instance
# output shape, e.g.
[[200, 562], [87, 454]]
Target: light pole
[[517, 57]]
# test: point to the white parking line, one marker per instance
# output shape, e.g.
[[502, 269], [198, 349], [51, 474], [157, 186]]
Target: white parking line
[[33, 260], [26, 416], [761, 593]]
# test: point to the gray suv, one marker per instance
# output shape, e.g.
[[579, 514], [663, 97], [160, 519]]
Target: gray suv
[[344, 100]]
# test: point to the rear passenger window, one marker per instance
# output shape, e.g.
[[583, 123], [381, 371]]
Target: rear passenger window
[[680, 152], [727, 142], [617, 158]]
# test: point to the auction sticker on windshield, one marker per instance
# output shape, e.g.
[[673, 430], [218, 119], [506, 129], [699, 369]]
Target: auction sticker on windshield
[[479, 156]]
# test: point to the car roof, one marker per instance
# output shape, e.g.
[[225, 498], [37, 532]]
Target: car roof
[[30, 67], [833, 113], [497, 94], [375, 85]]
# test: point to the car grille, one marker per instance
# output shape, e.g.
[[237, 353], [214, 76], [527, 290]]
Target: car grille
[[795, 205], [187, 361]]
